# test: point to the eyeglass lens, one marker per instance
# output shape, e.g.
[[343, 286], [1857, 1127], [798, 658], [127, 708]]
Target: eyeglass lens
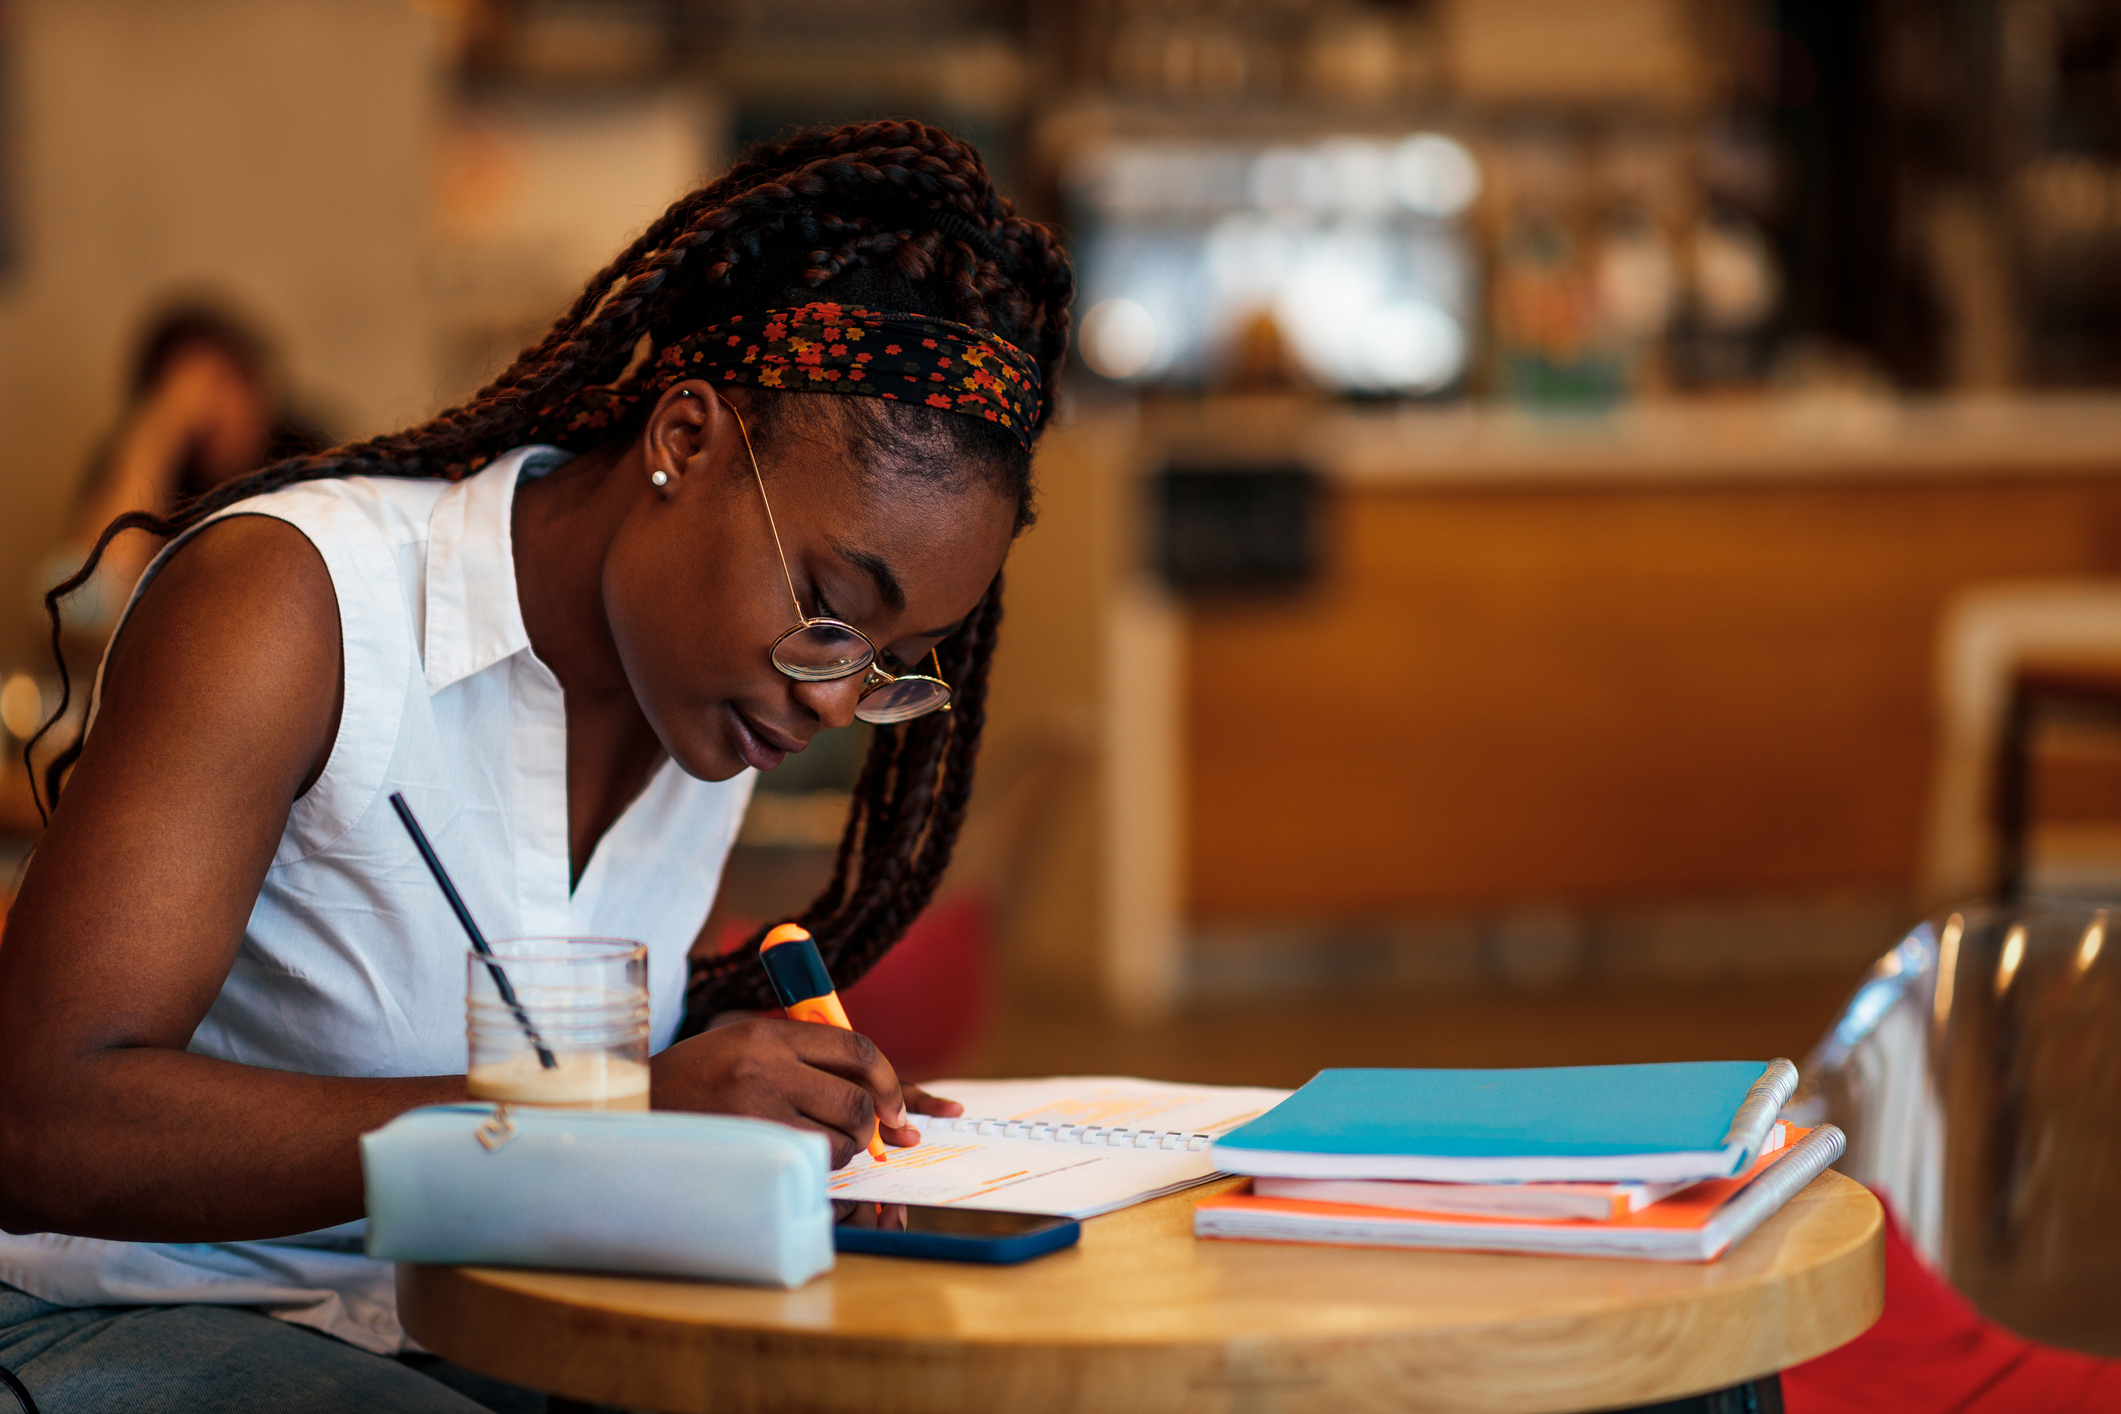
[[822, 651], [901, 700]]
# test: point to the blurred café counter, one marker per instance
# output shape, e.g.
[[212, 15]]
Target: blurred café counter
[[1324, 681]]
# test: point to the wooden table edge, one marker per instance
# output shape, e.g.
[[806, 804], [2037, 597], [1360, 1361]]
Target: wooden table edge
[[1232, 1364]]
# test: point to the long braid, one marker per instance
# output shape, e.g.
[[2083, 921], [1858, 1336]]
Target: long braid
[[899, 201]]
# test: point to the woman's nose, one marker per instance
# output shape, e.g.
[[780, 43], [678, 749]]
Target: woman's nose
[[833, 702]]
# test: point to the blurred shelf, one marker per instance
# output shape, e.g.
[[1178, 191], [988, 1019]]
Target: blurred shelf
[[1780, 440]]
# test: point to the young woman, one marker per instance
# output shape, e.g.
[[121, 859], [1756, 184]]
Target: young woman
[[559, 620]]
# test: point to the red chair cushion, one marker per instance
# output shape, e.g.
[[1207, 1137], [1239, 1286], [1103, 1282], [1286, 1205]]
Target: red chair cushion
[[926, 1003], [1931, 1352]]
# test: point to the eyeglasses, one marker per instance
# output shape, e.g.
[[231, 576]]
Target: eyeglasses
[[827, 650]]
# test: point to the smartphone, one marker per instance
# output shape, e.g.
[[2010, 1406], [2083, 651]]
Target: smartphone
[[949, 1234]]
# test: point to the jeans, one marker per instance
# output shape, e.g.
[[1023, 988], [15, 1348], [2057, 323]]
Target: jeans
[[220, 1360]]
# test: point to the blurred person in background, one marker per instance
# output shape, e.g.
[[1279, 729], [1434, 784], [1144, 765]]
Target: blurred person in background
[[203, 407], [757, 481]]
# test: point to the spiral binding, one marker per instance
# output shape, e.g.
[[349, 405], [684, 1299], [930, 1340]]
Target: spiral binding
[[1762, 1103], [1110, 1136]]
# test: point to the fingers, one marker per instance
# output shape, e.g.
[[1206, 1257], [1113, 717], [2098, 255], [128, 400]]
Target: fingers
[[920, 1102], [843, 1148], [855, 1056], [843, 1112], [843, 1093], [923, 1103]]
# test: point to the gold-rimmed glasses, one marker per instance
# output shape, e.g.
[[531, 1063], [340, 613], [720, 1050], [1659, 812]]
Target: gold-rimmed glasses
[[827, 650]]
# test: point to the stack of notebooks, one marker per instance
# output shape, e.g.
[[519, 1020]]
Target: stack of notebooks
[[1668, 1162]]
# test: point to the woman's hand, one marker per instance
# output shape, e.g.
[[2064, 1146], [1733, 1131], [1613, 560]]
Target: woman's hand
[[797, 1072], [920, 1102]]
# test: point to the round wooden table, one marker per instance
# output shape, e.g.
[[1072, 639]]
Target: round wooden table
[[1141, 1316]]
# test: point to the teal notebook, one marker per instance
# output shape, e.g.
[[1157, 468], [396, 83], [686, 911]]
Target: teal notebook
[[1586, 1123]]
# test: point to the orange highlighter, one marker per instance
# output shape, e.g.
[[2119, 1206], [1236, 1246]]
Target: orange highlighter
[[805, 989]]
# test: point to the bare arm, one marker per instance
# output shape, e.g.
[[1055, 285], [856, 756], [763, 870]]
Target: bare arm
[[221, 705]]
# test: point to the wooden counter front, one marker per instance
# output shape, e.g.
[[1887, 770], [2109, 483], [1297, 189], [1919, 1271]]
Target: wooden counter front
[[1583, 694]]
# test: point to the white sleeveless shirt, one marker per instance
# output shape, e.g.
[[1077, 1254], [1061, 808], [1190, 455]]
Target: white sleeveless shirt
[[352, 963]]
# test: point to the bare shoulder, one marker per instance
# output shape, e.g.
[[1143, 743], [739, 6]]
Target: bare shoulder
[[233, 649], [257, 559]]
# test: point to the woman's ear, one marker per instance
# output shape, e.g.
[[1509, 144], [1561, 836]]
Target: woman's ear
[[688, 421]]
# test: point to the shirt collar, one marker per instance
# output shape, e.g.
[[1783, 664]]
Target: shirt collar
[[474, 614]]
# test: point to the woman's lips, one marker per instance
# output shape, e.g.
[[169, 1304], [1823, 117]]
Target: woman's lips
[[751, 743]]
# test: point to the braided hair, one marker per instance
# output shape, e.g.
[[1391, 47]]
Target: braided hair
[[890, 215]]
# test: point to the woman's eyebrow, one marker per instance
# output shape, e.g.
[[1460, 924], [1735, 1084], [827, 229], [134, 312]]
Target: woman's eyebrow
[[879, 569]]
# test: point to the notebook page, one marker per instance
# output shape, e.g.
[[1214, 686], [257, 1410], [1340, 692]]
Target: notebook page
[[1073, 1170], [1592, 1201], [1112, 1101]]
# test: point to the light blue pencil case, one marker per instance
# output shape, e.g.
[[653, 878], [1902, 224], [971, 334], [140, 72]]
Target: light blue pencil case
[[656, 1193]]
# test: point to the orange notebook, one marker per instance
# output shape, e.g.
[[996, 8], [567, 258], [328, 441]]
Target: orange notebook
[[1697, 1225]]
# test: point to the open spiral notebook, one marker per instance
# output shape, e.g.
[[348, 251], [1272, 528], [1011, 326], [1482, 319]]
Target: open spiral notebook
[[1071, 1146]]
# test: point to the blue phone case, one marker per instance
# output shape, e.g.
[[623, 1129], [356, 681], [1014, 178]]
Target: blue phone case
[[958, 1247]]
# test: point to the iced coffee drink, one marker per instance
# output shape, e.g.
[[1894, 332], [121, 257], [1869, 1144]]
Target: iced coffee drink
[[579, 1081]]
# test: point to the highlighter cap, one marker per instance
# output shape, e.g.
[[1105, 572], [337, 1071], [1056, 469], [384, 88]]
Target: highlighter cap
[[795, 968]]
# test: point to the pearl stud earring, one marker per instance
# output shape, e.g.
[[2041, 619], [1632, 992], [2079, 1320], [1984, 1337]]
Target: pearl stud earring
[[658, 478]]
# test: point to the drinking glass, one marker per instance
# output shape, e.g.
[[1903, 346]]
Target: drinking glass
[[559, 1023]]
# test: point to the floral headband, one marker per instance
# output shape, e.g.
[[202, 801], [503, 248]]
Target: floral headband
[[830, 348]]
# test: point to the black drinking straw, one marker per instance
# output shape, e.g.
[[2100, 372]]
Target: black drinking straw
[[471, 929]]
